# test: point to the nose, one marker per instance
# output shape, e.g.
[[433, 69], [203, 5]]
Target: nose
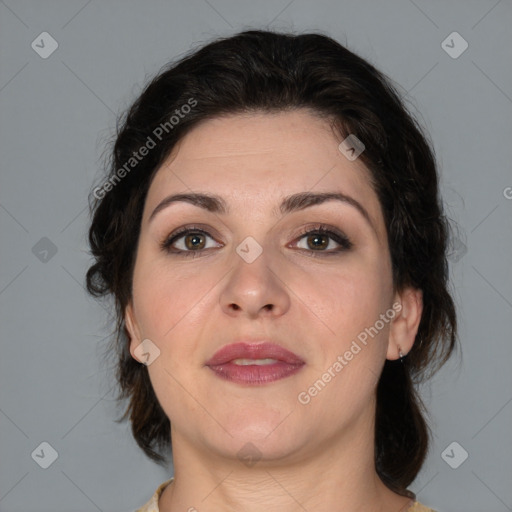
[[255, 289]]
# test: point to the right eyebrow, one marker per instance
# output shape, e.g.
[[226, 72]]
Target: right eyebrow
[[214, 204]]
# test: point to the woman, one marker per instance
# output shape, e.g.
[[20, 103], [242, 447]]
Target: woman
[[272, 233]]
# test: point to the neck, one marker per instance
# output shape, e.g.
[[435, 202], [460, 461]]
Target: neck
[[336, 475]]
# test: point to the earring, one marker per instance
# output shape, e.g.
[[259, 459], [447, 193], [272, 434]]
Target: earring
[[400, 354]]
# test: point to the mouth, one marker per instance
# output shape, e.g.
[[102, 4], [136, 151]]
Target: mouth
[[254, 364]]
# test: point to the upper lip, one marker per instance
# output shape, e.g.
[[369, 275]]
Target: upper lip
[[251, 350]]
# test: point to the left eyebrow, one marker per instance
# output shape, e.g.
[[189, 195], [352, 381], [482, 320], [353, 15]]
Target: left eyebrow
[[304, 200], [289, 204]]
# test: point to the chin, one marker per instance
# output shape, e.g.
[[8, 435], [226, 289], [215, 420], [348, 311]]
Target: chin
[[252, 436], [250, 451]]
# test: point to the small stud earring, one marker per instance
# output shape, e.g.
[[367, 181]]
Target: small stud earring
[[400, 354]]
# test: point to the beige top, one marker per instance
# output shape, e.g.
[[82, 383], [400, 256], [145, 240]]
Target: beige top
[[152, 504]]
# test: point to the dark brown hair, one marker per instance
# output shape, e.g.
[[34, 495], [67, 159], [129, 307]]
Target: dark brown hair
[[260, 71]]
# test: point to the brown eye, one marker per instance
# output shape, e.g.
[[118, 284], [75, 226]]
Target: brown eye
[[194, 241], [318, 241], [188, 241]]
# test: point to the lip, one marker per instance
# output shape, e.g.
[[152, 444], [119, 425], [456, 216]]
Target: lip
[[286, 363]]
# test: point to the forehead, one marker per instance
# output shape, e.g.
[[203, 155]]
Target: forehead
[[255, 159], [292, 135]]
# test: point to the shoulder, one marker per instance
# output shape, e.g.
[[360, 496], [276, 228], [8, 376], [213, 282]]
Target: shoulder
[[152, 504], [418, 507]]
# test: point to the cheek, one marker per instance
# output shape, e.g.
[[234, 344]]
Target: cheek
[[353, 298], [170, 307], [166, 299], [351, 341]]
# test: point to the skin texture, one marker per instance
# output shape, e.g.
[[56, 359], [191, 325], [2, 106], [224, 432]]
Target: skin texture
[[320, 454]]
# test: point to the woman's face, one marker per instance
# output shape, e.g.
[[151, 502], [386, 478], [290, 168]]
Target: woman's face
[[249, 274]]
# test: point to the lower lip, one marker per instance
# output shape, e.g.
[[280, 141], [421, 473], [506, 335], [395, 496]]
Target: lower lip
[[255, 374]]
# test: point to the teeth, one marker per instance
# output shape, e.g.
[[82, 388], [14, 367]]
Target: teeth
[[259, 362]]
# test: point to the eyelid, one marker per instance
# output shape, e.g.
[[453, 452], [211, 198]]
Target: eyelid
[[184, 230], [332, 232], [335, 234]]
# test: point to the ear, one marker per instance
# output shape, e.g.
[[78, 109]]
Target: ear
[[132, 328], [404, 326]]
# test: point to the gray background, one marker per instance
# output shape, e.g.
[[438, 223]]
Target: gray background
[[56, 114]]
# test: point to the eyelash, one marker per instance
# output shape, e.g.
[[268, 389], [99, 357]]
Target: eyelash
[[338, 237]]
